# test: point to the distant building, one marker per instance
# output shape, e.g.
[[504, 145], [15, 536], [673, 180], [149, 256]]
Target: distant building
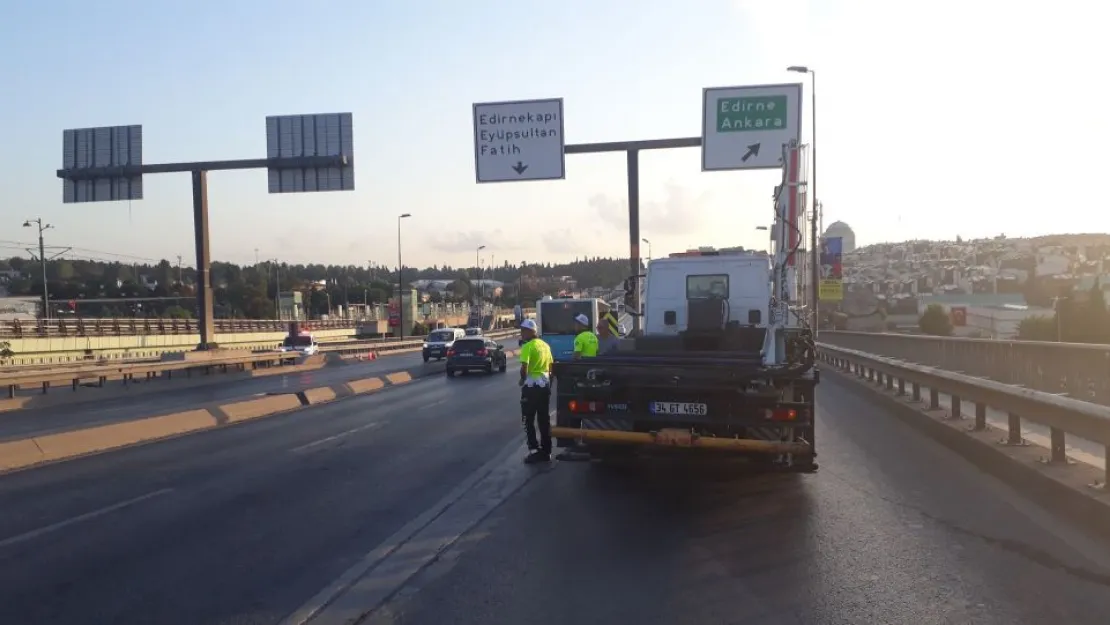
[[847, 236]]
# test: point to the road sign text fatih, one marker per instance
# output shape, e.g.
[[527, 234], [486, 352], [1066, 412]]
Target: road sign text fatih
[[521, 140], [747, 127]]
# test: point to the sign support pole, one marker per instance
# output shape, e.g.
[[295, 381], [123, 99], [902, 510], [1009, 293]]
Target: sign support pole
[[205, 305], [632, 154]]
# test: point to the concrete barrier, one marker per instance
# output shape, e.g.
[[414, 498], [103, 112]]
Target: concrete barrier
[[25, 453]]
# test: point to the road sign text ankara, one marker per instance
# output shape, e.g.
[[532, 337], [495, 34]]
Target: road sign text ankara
[[520, 140], [749, 114], [747, 127]]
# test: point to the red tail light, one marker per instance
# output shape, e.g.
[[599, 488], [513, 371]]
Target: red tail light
[[450, 352], [586, 406], [781, 414], [482, 352]]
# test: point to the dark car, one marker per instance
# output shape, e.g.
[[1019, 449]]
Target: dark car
[[476, 354]]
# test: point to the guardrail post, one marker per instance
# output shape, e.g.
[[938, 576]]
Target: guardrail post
[[934, 399], [889, 382], [1013, 430], [956, 412], [980, 417], [901, 386], [1059, 449], [915, 392]]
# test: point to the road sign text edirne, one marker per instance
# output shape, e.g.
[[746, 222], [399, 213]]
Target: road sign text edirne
[[521, 140], [746, 127]]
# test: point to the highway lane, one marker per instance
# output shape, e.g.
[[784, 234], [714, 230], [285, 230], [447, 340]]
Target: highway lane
[[117, 406], [240, 525], [893, 529]]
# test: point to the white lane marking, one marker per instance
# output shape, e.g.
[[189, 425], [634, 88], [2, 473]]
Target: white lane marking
[[77, 519], [433, 404], [334, 437], [505, 464]]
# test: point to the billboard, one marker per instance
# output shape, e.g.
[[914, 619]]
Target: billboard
[[831, 286]]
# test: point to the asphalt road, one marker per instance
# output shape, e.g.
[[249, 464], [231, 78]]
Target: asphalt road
[[242, 524], [249, 524], [893, 529], [120, 407]]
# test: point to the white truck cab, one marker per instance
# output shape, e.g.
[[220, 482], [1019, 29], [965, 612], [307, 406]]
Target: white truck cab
[[742, 280]]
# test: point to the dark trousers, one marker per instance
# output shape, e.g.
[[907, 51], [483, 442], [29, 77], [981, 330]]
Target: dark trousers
[[534, 410]]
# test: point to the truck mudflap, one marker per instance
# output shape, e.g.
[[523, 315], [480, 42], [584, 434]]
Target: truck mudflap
[[677, 437]]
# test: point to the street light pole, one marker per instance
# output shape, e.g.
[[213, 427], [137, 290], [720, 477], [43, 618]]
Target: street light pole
[[477, 293], [42, 260], [400, 274], [649, 249], [815, 269]]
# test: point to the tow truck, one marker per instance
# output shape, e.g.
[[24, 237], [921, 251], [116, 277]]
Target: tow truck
[[725, 362]]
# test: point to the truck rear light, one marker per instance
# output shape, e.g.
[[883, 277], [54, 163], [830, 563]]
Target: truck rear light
[[586, 406], [781, 414]]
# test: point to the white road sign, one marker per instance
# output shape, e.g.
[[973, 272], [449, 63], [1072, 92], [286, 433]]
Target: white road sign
[[746, 127], [520, 140]]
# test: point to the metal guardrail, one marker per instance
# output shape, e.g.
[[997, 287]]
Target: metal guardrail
[[1081, 371], [1061, 415], [80, 327], [75, 375]]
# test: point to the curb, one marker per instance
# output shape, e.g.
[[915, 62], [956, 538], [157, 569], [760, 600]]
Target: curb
[[1067, 490], [30, 452]]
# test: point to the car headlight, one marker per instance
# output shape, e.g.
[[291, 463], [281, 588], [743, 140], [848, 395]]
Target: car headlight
[[425, 346]]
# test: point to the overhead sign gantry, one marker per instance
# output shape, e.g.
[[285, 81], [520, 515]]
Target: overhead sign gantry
[[304, 154], [745, 127]]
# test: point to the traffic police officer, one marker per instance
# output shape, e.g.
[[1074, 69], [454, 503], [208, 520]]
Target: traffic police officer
[[585, 343], [535, 392]]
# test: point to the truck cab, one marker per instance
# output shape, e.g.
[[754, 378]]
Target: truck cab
[[716, 365]]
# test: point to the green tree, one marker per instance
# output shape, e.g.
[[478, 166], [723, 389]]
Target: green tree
[[6, 350], [1037, 328], [935, 321]]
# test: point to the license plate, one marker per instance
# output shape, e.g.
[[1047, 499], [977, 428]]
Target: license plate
[[679, 408], [466, 353]]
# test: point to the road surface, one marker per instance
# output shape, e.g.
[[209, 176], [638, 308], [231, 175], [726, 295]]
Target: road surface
[[118, 407], [253, 523]]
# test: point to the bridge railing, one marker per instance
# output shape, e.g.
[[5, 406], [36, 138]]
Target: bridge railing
[[98, 373], [1080, 371], [1062, 415]]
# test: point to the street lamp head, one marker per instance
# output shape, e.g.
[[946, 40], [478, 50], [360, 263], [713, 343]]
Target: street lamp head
[[481, 247], [801, 69], [404, 215], [27, 224], [646, 241]]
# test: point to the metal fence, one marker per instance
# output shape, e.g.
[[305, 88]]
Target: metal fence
[[1079, 371]]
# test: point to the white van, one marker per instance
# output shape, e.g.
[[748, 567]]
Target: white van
[[303, 343], [439, 341]]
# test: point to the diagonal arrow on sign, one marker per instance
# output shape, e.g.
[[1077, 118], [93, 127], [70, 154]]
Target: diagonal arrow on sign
[[753, 150]]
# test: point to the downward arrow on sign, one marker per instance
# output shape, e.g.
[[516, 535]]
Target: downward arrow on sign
[[519, 168]]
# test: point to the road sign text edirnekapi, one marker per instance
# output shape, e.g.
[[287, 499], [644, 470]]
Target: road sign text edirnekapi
[[521, 140], [747, 127]]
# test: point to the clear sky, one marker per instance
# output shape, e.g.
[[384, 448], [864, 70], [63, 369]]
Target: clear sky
[[936, 119]]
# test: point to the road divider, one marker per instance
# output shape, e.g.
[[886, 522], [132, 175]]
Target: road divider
[[29, 452], [1077, 490], [188, 366]]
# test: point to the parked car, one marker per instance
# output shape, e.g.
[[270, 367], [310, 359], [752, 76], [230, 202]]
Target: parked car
[[474, 331], [438, 342], [476, 353]]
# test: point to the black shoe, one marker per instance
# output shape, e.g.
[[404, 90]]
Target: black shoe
[[537, 457]]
